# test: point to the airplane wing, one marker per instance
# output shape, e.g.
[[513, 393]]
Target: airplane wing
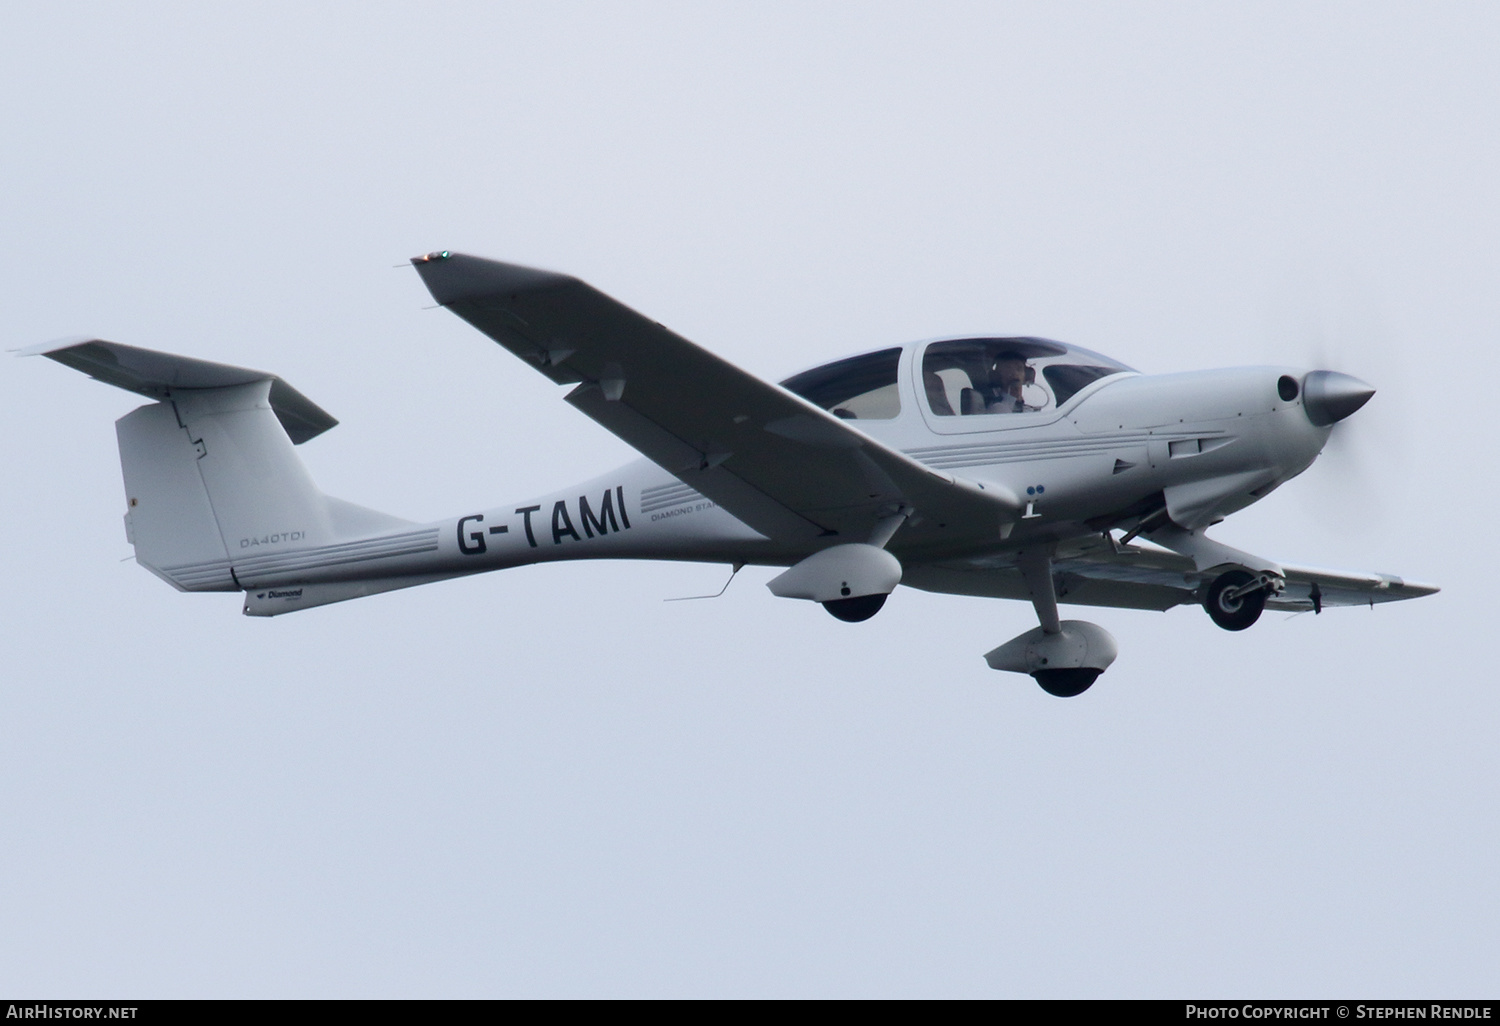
[[1093, 572], [789, 469]]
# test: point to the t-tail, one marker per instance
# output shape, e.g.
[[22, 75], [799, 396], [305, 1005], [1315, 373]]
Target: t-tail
[[217, 498]]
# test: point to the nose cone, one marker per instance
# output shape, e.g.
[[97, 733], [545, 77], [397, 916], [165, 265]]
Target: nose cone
[[1329, 396]]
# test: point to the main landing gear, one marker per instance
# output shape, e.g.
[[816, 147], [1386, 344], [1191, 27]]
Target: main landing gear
[[1065, 662], [851, 581], [1064, 657]]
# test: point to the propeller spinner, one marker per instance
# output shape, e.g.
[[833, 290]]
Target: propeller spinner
[[1329, 396]]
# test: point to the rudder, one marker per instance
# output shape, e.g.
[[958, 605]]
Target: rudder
[[168, 516]]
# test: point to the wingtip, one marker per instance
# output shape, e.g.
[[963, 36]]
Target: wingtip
[[451, 276], [45, 348]]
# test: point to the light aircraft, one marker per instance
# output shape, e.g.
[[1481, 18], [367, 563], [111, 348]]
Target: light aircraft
[[1016, 468]]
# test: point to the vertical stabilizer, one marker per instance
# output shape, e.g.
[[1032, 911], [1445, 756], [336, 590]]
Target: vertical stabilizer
[[212, 478], [262, 496]]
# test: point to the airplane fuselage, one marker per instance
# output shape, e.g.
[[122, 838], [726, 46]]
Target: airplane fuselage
[[1106, 458]]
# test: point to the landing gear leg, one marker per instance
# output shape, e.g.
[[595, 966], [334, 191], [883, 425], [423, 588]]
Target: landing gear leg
[[1064, 656]]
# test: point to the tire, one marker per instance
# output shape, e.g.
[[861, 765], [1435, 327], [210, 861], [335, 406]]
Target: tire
[[1233, 614], [855, 610], [1067, 683]]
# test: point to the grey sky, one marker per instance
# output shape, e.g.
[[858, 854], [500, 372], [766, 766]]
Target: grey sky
[[549, 782]]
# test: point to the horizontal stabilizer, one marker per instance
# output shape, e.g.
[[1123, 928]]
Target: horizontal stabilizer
[[157, 375]]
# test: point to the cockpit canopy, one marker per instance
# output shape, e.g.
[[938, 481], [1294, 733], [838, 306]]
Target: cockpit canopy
[[959, 377], [859, 388], [980, 376]]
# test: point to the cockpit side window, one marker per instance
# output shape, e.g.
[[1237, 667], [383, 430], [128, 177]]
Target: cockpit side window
[[984, 376], [859, 388], [975, 376]]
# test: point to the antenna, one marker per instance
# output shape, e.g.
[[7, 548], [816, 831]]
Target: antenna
[[689, 598]]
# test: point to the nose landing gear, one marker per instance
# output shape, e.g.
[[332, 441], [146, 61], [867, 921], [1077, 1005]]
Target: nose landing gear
[[1234, 600]]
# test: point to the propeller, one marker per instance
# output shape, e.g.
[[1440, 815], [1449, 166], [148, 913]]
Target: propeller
[[1341, 335]]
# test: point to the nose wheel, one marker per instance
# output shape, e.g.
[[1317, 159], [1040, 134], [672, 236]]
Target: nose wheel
[[1236, 598]]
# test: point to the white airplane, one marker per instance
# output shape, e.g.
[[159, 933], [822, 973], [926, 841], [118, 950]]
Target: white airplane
[[1002, 467]]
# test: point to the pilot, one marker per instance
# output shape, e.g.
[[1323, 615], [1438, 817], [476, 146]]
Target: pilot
[[1009, 374]]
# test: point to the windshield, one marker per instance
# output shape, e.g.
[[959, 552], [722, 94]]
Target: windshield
[[989, 376]]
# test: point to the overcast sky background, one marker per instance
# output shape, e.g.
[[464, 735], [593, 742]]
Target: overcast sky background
[[549, 782]]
